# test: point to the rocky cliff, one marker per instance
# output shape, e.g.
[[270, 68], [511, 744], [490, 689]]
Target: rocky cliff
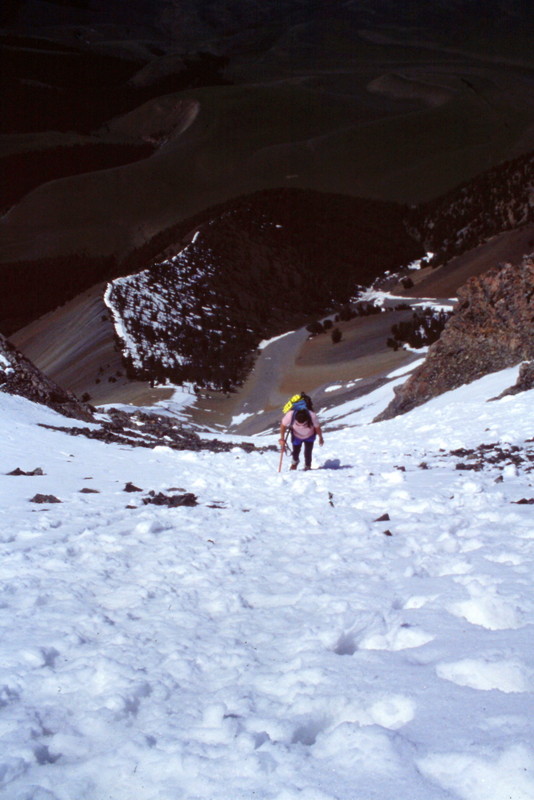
[[19, 376], [492, 328]]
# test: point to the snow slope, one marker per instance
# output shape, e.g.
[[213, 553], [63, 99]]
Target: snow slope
[[274, 642]]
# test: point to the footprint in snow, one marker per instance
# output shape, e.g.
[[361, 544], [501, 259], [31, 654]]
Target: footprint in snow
[[489, 610], [382, 634], [506, 676], [404, 637]]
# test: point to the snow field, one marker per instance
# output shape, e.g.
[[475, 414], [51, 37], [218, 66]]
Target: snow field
[[275, 641]]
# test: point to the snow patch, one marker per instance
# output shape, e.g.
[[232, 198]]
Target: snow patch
[[369, 620], [6, 365]]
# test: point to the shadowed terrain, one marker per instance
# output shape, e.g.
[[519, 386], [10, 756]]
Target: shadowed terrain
[[367, 99]]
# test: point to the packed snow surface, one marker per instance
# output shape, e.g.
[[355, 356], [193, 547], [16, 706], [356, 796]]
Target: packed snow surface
[[275, 641]]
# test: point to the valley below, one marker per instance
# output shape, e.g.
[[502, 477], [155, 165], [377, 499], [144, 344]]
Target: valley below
[[76, 345]]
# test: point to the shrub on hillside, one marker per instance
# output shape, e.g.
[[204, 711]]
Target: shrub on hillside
[[336, 335], [314, 328], [422, 330]]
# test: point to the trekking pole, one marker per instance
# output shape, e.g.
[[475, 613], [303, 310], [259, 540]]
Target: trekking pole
[[283, 450]]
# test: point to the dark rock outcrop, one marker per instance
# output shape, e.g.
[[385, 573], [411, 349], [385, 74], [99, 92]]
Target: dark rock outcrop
[[130, 487], [19, 376], [18, 471], [524, 382], [492, 329]]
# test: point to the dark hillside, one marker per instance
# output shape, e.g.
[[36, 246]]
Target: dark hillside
[[46, 86], [498, 200], [22, 172], [330, 243], [266, 262], [56, 88]]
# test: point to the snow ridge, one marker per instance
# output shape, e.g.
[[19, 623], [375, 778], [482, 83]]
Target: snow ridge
[[137, 308]]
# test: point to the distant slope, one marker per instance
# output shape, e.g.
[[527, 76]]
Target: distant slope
[[258, 266], [323, 230], [501, 199], [395, 102], [263, 263]]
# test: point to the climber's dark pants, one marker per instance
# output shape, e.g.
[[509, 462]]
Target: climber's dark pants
[[308, 447]]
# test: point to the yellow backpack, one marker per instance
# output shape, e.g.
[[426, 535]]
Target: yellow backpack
[[295, 403]]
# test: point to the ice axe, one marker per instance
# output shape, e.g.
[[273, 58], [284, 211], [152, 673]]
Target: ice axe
[[283, 449]]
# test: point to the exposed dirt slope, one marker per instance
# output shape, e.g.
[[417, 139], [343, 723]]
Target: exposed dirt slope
[[445, 281], [75, 346]]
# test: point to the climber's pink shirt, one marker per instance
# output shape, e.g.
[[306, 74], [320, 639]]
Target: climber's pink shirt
[[300, 430]]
